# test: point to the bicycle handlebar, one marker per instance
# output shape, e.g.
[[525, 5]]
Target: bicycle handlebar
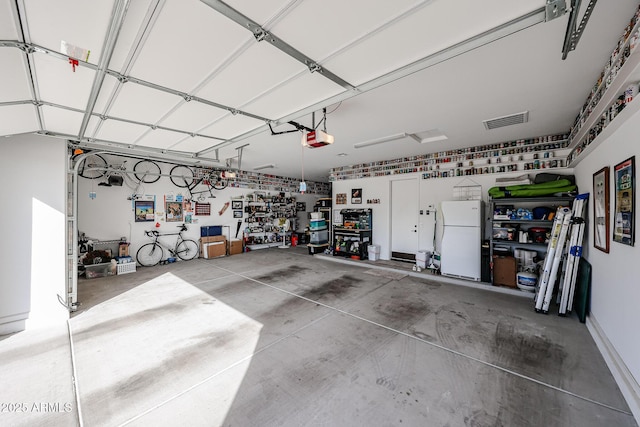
[[156, 233]]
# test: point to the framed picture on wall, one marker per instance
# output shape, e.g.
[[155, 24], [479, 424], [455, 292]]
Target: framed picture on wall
[[144, 210], [173, 211], [624, 218], [236, 205], [356, 196], [237, 214], [601, 209]]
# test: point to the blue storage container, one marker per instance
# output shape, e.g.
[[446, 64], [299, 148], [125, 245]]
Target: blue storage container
[[317, 224], [210, 230]]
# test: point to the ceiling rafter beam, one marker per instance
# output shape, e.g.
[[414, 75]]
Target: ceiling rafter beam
[[20, 17], [118, 119], [260, 34], [115, 25], [153, 11], [119, 147]]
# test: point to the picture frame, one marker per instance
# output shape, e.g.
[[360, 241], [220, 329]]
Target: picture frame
[[601, 209], [238, 214], [144, 211], [341, 199], [173, 211], [236, 205], [624, 215], [356, 196]]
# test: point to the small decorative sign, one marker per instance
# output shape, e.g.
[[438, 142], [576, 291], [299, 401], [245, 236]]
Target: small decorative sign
[[356, 196]]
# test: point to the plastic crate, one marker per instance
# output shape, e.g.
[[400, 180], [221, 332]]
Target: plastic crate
[[129, 267]]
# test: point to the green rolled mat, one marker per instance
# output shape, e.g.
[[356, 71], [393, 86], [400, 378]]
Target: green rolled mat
[[533, 190]]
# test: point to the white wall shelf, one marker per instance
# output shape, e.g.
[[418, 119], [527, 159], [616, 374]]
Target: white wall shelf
[[493, 158], [601, 109]]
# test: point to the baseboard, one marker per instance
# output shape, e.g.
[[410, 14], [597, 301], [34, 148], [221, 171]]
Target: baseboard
[[12, 327], [626, 382]]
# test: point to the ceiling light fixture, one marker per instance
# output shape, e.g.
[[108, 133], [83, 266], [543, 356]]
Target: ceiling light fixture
[[433, 139], [381, 140], [267, 166]]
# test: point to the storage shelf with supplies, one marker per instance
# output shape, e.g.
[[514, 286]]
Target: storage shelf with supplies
[[353, 237], [519, 224]]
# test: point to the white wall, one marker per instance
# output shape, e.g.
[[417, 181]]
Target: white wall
[[110, 215], [615, 292], [432, 192], [32, 256]]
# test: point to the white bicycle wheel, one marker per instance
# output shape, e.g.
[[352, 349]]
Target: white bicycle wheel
[[149, 255], [182, 176], [93, 166], [146, 171], [187, 249]]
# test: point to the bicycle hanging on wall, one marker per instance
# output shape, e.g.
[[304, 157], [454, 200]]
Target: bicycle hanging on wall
[[199, 182], [152, 253]]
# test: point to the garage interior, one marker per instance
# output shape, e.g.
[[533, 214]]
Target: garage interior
[[387, 108]]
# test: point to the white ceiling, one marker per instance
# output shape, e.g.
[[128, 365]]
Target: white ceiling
[[183, 79]]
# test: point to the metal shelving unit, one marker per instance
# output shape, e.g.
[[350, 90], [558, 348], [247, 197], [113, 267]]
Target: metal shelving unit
[[551, 202]]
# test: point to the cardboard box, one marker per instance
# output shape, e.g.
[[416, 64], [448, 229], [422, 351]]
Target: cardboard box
[[215, 249], [204, 241], [235, 246], [212, 239], [504, 271], [123, 249]]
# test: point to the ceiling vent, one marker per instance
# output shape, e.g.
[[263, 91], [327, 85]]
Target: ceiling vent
[[513, 119]]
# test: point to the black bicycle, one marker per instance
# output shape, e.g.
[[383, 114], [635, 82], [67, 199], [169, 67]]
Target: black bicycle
[[199, 182], [96, 166], [151, 254]]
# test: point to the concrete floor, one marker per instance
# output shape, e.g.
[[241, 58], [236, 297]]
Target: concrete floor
[[278, 337]]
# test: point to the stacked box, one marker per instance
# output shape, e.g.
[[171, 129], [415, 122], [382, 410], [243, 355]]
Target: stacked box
[[504, 271], [213, 246], [235, 246]]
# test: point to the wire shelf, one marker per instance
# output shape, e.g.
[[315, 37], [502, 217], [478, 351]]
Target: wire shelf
[[467, 190]]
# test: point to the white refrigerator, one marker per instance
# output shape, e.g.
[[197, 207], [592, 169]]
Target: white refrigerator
[[460, 252]]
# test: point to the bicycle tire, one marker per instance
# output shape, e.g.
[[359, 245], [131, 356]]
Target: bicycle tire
[[182, 176], [86, 169], [143, 168], [149, 254], [187, 249]]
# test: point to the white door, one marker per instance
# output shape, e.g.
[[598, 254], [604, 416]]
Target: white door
[[461, 252], [404, 218]]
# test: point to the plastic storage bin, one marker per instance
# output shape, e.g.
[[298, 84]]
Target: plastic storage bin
[[128, 267], [317, 224], [374, 252], [423, 258]]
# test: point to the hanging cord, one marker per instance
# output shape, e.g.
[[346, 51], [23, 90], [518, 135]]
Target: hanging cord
[[302, 160]]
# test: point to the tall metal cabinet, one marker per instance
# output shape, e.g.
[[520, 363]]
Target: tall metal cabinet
[[353, 236]]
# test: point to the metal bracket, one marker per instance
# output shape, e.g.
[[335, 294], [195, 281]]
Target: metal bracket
[[573, 34], [555, 9], [261, 34]]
